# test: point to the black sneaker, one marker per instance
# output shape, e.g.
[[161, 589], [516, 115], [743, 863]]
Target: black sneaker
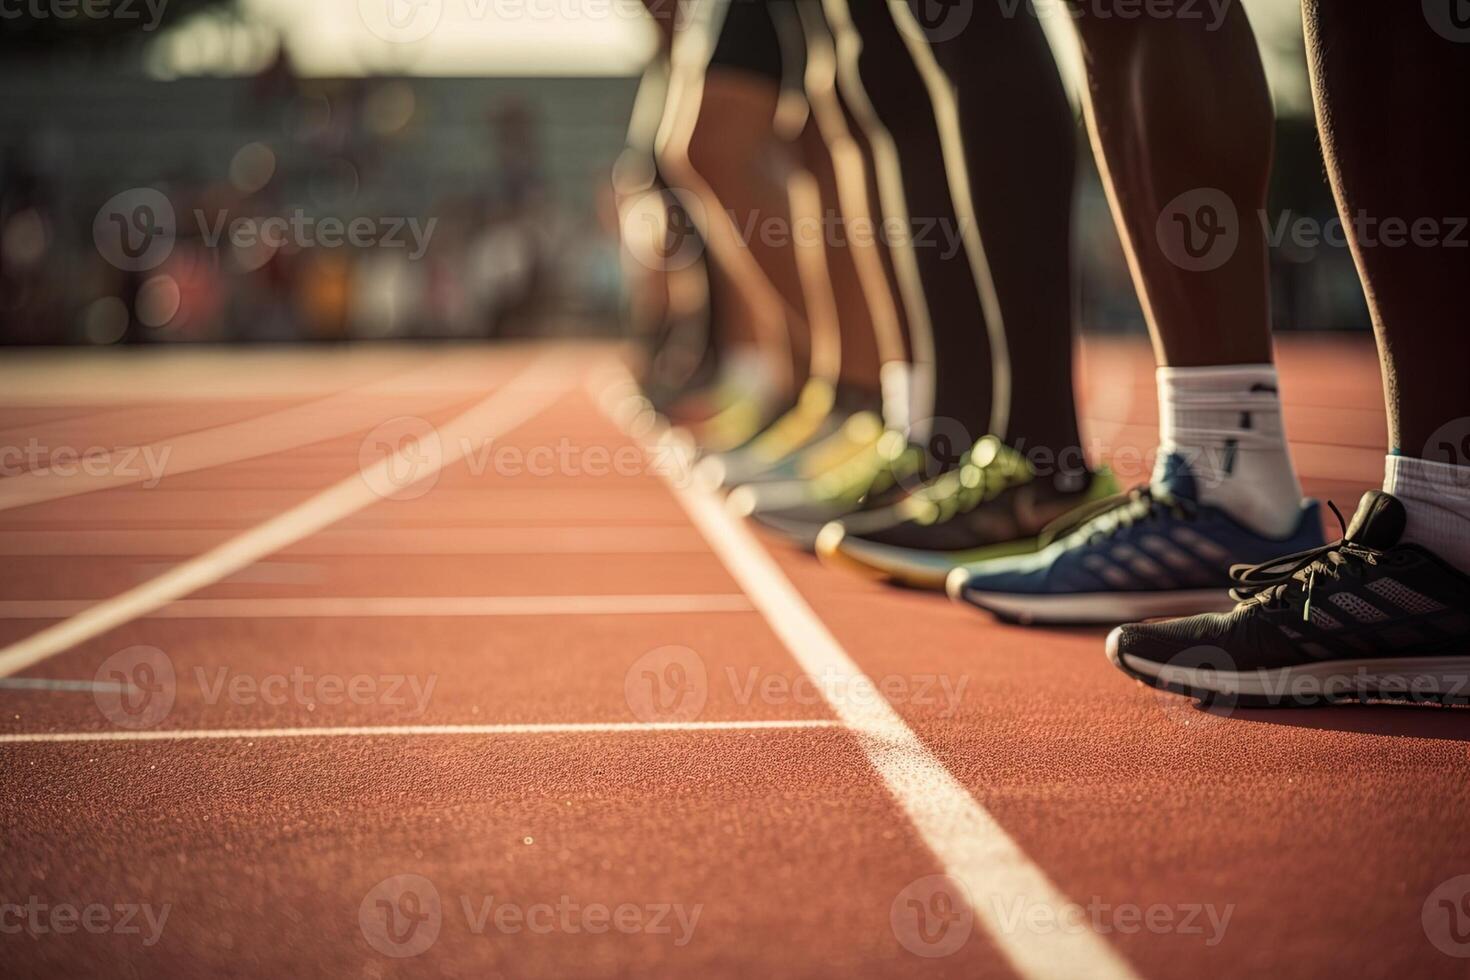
[[1369, 618], [993, 506]]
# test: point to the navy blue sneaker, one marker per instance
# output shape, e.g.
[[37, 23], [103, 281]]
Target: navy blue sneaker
[[1149, 553]]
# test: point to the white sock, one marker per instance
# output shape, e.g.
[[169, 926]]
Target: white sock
[[1437, 497], [1226, 424]]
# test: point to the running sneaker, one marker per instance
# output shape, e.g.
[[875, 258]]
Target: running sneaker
[[1152, 552], [872, 480], [812, 419], [992, 507], [1367, 618]]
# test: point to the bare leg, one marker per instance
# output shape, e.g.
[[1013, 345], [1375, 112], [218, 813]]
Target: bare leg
[[1396, 145], [1020, 138], [718, 130], [1182, 123], [892, 99], [864, 305]]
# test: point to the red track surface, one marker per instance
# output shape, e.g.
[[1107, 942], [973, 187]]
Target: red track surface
[[1322, 836]]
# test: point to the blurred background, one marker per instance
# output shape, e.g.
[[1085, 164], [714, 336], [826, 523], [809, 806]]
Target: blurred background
[[326, 170]]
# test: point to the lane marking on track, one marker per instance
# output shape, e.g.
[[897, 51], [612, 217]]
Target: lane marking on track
[[398, 606], [339, 414], [43, 684], [31, 379], [972, 846], [403, 731], [592, 540], [521, 399]]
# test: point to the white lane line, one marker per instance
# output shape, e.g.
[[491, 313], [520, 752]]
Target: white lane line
[[114, 377], [520, 400], [387, 607], [972, 846], [590, 540], [402, 731], [342, 413], [45, 684]]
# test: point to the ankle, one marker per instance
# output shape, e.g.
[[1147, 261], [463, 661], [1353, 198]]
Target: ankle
[[1437, 498]]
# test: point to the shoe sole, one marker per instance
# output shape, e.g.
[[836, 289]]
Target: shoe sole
[[884, 563], [802, 534], [1091, 608], [1443, 680], [834, 553]]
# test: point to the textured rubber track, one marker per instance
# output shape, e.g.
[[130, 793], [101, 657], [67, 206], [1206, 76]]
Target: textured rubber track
[[1321, 842]]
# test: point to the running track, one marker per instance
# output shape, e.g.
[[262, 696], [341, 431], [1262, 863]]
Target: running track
[[577, 722]]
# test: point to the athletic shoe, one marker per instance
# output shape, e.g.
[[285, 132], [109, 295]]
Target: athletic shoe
[[1367, 618], [872, 480], [1152, 552], [815, 417], [733, 427], [991, 507]]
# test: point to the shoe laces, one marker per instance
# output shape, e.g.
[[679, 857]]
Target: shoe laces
[[872, 471], [1278, 582], [985, 472], [1112, 514]]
